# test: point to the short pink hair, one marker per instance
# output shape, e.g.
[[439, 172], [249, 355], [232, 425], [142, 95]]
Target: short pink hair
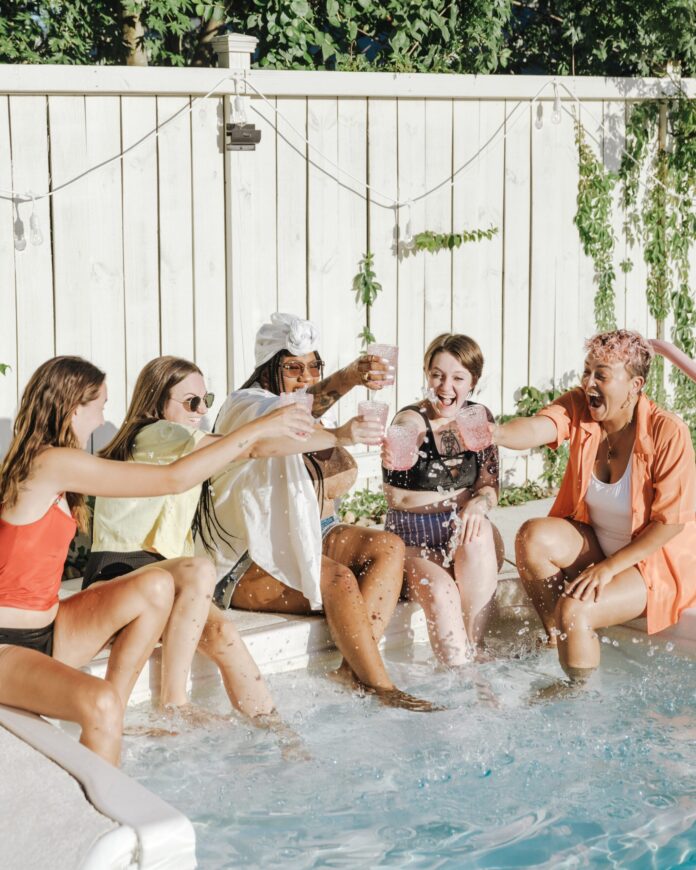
[[622, 345]]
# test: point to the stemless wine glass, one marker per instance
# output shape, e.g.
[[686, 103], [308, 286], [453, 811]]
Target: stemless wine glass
[[402, 442], [473, 425]]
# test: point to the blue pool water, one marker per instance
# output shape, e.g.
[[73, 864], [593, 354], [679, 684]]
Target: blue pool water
[[502, 778]]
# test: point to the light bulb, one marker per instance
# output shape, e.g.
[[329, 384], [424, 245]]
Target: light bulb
[[539, 123], [35, 234], [239, 110], [556, 114], [20, 240]]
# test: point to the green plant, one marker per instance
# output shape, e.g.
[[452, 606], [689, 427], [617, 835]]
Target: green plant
[[363, 504], [4, 368], [593, 220], [530, 402], [433, 242], [366, 289], [528, 491]]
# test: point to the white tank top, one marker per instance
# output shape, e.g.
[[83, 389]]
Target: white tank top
[[609, 506]]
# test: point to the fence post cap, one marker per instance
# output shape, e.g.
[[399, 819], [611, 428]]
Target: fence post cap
[[234, 49]]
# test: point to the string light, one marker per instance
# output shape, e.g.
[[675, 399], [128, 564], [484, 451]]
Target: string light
[[35, 234], [556, 113]]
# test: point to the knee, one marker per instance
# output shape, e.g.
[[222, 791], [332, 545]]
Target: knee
[[102, 708], [339, 581], [199, 576], [533, 538], [572, 614], [157, 588], [432, 592], [219, 633], [390, 546]]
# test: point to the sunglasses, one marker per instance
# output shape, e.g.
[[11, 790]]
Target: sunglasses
[[193, 403], [297, 369]]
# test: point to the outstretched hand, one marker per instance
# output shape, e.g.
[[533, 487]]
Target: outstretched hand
[[363, 430], [293, 421]]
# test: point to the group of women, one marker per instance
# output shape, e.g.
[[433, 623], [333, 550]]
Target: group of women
[[188, 523]]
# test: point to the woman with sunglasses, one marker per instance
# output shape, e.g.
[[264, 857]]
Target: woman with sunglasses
[[271, 524], [43, 481], [163, 424]]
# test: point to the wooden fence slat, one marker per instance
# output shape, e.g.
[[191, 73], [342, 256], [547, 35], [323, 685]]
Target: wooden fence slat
[[291, 233], [105, 236], [140, 218], [8, 306], [34, 267], [478, 266], [438, 218], [175, 213], [209, 268], [411, 288], [252, 212], [516, 288]]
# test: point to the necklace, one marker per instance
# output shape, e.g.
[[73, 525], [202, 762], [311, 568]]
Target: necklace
[[611, 448]]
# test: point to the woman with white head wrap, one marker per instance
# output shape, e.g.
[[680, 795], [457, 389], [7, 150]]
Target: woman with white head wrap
[[272, 530]]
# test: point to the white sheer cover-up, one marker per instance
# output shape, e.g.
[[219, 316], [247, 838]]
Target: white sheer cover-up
[[268, 507]]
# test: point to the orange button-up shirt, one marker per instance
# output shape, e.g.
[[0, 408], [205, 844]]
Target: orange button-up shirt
[[663, 490]]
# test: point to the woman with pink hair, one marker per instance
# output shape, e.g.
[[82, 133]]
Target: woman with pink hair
[[620, 541]]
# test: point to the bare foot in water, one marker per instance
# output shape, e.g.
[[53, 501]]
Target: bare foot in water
[[396, 698], [292, 747], [148, 731], [344, 676], [192, 715]]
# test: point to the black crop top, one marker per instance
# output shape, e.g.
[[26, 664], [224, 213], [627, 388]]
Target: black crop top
[[432, 472]]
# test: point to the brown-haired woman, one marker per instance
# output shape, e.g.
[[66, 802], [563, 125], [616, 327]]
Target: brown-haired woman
[[439, 506], [162, 424], [43, 480]]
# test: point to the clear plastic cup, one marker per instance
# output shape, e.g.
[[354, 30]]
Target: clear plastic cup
[[389, 352], [403, 446], [472, 422], [378, 410]]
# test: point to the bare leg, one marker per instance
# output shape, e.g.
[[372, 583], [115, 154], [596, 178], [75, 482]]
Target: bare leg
[[377, 560], [434, 588], [476, 572], [40, 684], [136, 606], [549, 550], [194, 582], [242, 679], [346, 614], [578, 645]]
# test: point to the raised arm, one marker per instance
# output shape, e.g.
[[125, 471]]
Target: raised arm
[[675, 356], [368, 371], [64, 469], [523, 433], [355, 431]]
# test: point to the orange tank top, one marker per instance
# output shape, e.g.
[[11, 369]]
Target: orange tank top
[[32, 558]]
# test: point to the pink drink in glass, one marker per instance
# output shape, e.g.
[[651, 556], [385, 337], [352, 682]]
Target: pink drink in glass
[[473, 425], [375, 410], [389, 352], [403, 445]]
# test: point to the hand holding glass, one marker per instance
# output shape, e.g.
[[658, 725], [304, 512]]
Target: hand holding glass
[[390, 353], [472, 423]]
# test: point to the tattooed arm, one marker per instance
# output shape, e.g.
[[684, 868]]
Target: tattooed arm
[[367, 371]]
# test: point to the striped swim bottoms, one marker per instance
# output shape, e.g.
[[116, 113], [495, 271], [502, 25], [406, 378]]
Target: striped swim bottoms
[[429, 531]]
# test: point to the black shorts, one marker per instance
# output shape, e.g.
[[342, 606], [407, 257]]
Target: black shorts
[[40, 639], [107, 565]]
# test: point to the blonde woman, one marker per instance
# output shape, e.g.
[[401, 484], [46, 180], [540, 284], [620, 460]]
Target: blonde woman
[[163, 423], [43, 480]]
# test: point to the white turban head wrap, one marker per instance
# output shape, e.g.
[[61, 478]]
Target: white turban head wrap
[[285, 332]]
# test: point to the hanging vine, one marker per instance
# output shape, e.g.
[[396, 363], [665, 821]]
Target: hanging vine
[[660, 148], [593, 220]]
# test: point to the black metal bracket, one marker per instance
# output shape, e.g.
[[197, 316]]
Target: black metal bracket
[[241, 137]]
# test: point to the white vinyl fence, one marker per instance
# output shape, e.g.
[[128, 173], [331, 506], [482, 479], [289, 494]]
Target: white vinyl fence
[[183, 248]]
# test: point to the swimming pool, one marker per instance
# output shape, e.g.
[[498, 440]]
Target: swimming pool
[[502, 778]]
